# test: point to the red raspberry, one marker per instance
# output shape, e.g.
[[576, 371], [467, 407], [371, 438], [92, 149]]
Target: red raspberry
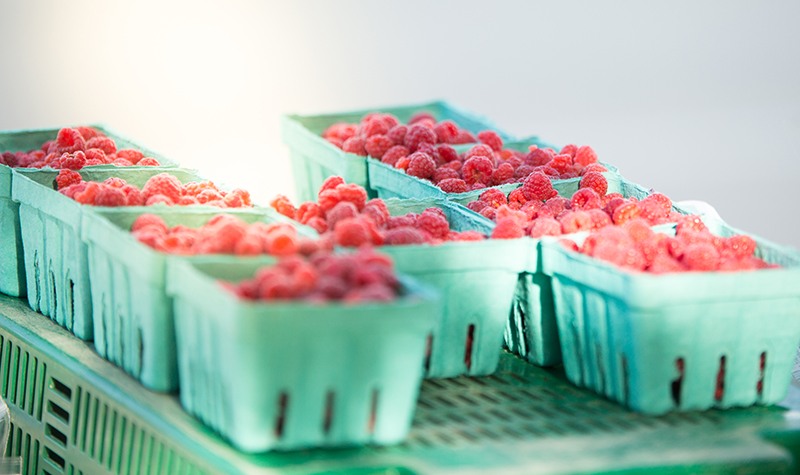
[[446, 131], [73, 161], [110, 196], [492, 139], [330, 183], [432, 152], [433, 223], [625, 212], [494, 197], [561, 163], [480, 150], [148, 220], [574, 221], [655, 207], [249, 245], [121, 162], [355, 145], [353, 193], [476, 186], [554, 206], [585, 156], [209, 197], [586, 198], [465, 236], [420, 117], [133, 195], [352, 232], [613, 201], [377, 145], [489, 213], [421, 165], [306, 211], [739, 246], [342, 210], [503, 174], [544, 226], [409, 220], [394, 154], [453, 185], [237, 196], [701, 257], [318, 224], [443, 173], [373, 126], [70, 141], [163, 184], [158, 199], [538, 187], [638, 229], [517, 198], [185, 200], [148, 162], [539, 156], [600, 218], [95, 156], [508, 228], [622, 255], [663, 263], [402, 163], [505, 212], [328, 199], [397, 134], [463, 137], [130, 155], [595, 181], [690, 223], [282, 242], [569, 150], [403, 235], [88, 132], [418, 134], [340, 131], [66, 178], [447, 154], [477, 169], [477, 205], [284, 206], [376, 210], [105, 144], [593, 167]]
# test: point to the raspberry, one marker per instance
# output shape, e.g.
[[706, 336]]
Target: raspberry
[[433, 223], [409, 219], [418, 134], [66, 178], [209, 197], [423, 116], [403, 235], [655, 206], [538, 156], [306, 211], [612, 203], [446, 131], [465, 236], [70, 141], [594, 167], [148, 162], [421, 165], [700, 257], [554, 206], [130, 155], [397, 134], [376, 210], [447, 153], [318, 224], [453, 185], [328, 199], [538, 187], [187, 201], [148, 220], [282, 242], [88, 132], [393, 154], [492, 139], [342, 210], [574, 221], [585, 156], [134, 195], [95, 156], [115, 182], [249, 245], [599, 218], [331, 183], [158, 198], [73, 161], [663, 263], [489, 213], [477, 169], [569, 150], [530, 208], [739, 246], [477, 205], [355, 145], [595, 181], [340, 131], [517, 197], [549, 171], [638, 229], [282, 205], [480, 150], [586, 198], [494, 197], [353, 193], [241, 196], [402, 163], [377, 145], [110, 196], [162, 184], [693, 223], [371, 126], [545, 227], [105, 144], [623, 255], [503, 174], [625, 212], [508, 228], [561, 163], [505, 212], [352, 232], [443, 173]]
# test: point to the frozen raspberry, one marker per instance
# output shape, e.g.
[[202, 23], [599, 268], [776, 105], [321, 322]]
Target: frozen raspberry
[[421, 165], [403, 235], [503, 174], [508, 228], [575, 221], [352, 232], [70, 141], [446, 131], [599, 218], [492, 139], [284, 206], [67, 177], [693, 223], [342, 210], [595, 181], [477, 169], [353, 193], [433, 223], [584, 156], [376, 210], [355, 145], [739, 246], [700, 257], [163, 184], [538, 187], [545, 227], [397, 134], [625, 212], [393, 154], [418, 134], [494, 197], [377, 145], [586, 198]]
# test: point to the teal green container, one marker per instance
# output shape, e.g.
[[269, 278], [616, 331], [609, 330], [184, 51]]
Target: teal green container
[[12, 279], [55, 256], [296, 375], [476, 280], [625, 334], [314, 159], [131, 312], [532, 332]]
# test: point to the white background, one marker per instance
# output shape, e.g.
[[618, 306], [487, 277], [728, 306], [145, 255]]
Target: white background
[[699, 100]]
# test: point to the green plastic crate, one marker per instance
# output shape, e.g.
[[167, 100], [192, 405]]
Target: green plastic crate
[[131, 312], [476, 280], [624, 334], [56, 259], [12, 281], [295, 375], [314, 159], [532, 332]]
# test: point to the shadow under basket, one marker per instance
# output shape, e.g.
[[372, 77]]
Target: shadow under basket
[[295, 375], [678, 341]]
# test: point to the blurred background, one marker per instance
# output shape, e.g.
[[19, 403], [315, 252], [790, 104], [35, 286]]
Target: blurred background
[[699, 100]]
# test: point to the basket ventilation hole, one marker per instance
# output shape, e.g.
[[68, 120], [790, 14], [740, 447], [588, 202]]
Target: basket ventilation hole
[[428, 351], [720, 389], [56, 434], [762, 365], [373, 412], [61, 389], [468, 346], [677, 383], [626, 389], [280, 421], [55, 458], [327, 422]]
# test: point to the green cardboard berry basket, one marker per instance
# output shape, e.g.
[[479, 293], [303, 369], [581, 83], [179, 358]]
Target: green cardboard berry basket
[[55, 256], [314, 159], [295, 375], [12, 279], [625, 334], [476, 280], [132, 313]]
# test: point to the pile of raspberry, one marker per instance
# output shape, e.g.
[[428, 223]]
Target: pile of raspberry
[[361, 276], [343, 214], [535, 209], [162, 188], [635, 246], [77, 148], [222, 234]]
